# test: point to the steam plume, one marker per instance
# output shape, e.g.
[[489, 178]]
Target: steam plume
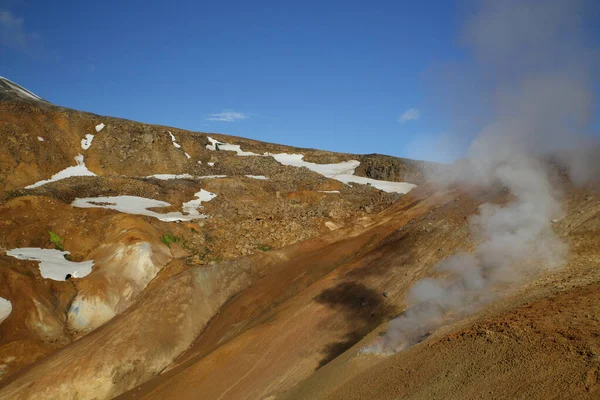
[[531, 62]]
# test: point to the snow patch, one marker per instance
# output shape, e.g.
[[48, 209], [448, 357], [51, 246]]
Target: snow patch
[[166, 177], [211, 177], [174, 140], [86, 142], [211, 164], [343, 171], [327, 170], [191, 207], [215, 144], [386, 186], [187, 155], [5, 309], [329, 191], [21, 89], [52, 262], [260, 177], [140, 206], [41, 139], [77, 170]]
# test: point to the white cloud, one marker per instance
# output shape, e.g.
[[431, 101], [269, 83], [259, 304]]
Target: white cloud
[[12, 33], [412, 114], [226, 116]]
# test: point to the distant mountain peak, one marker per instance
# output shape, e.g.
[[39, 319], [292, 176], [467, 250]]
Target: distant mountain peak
[[10, 89]]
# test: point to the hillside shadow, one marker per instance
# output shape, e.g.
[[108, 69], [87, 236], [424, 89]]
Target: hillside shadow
[[388, 266], [393, 252], [363, 309]]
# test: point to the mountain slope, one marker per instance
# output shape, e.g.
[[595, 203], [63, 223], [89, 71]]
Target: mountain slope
[[307, 345], [133, 204], [9, 90], [237, 269]]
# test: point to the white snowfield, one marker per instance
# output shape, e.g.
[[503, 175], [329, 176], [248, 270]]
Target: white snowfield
[[21, 89], [211, 177], [343, 172], [5, 309], [166, 177], [77, 170], [174, 140], [191, 207], [52, 263], [228, 147], [386, 186], [41, 139], [86, 142], [295, 160], [329, 191], [140, 206]]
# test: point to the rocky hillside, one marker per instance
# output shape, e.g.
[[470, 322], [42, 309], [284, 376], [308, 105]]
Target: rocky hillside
[[115, 205], [141, 261]]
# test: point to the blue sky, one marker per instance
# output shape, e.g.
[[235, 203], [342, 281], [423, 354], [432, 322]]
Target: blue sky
[[345, 76]]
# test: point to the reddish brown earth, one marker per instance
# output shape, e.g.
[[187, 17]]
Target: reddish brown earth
[[541, 341], [274, 295]]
